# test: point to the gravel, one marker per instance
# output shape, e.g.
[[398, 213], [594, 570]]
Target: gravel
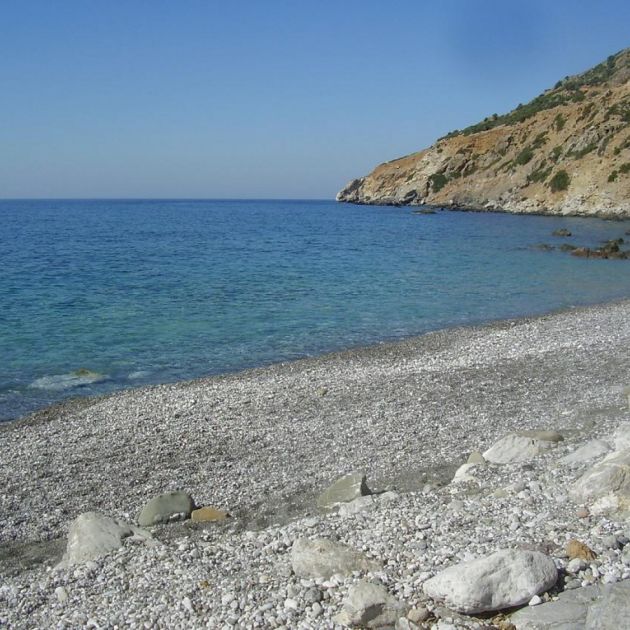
[[263, 444]]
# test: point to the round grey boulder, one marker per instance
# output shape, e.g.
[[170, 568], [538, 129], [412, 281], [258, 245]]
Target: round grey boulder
[[165, 508]]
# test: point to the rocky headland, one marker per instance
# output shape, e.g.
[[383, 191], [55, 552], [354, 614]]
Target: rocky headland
[[468, 478], [566, 152]]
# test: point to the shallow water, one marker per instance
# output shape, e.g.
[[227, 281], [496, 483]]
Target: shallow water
[[101, 295]]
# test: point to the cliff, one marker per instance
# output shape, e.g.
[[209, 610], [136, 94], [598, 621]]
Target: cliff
[[565, 152]]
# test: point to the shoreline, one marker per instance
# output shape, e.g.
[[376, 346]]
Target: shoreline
[[78, 402], [263, 443]]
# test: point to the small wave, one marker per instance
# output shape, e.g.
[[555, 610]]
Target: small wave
[[60, 382], [138, 374]]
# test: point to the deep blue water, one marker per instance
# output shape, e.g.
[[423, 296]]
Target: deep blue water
[[155, 291]]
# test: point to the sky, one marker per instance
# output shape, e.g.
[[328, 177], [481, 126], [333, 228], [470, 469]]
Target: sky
[[267, 98]]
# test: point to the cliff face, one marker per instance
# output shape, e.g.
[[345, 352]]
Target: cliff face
[[566, 152]]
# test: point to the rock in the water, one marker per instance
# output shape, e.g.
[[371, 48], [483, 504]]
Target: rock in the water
[[611, 476], [519, 447], [576, 549], [322, 558], [561, 232], [208, 514], [344, 490], [93, 535], [504, 579], [369, 605], [600, 607], [166, 507], [586, 452]]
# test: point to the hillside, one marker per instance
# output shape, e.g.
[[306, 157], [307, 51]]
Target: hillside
[[565, 152]]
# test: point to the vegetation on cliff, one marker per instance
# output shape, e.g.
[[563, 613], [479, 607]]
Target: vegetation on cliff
[[565, 151]]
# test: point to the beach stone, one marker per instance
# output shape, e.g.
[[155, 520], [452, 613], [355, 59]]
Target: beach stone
[[322, 558], [586, 452], [504, 579], [577, 549], [93, 535], [600, 607], [621, 437], [360, 504], [369, 605], [463, 473], [208, 514], [516, 447], [344, 490], [611, 476], [541, 434], [165, 507], [475, 458]]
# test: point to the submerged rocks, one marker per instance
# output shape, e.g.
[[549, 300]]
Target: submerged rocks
[[504, 579], [321, 558], [345, 489], [165, 508], [93, 535], [561, 232], [369, 605], [521, 446]]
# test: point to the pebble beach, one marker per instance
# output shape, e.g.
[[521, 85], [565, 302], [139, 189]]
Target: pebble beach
[[263, 445]]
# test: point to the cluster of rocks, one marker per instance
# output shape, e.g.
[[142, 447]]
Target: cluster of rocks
[[519, 518], [610, 249]]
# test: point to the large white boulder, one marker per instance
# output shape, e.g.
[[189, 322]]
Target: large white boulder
[[504, 579], [93, 535], [610, 477], [621, 437], [321, 558], [519, 447]]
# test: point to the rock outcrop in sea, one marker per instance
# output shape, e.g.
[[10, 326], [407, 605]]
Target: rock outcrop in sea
[[566, 152]]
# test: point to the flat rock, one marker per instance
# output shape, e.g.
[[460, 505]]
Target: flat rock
[[610, 477], [591, 450], [541, 434], [504, 579], [599, 607], [345, 489], [166, 507], [369, 605], [93, 535], [208, 514], [464, 473], [519, 448], [322, 558]]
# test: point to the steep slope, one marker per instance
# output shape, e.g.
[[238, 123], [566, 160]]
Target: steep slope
[[565, 152]]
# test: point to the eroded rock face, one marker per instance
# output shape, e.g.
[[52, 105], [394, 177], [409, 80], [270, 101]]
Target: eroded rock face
[[504, 579], [564, 156], [93, 535], [519, 447], [322, 558], [166, 507]]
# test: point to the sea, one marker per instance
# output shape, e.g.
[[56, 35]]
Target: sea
[[102, 295]]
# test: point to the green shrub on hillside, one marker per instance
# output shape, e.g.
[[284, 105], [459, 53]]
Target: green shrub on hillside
[[559, 121], [625, 168], [524, 156], [560, 181], [438, 181]]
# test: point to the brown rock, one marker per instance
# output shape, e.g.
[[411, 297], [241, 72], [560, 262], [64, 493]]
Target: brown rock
[[582, 512], [208, 514], [576, 549]]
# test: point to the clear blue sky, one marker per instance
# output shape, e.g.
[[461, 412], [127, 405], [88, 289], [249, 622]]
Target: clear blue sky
[[124, 98]]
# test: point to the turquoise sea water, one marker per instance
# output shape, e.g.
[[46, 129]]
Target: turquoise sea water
[[154, 291]]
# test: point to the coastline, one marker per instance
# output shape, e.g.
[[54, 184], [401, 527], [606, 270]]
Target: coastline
[[264, 442]]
